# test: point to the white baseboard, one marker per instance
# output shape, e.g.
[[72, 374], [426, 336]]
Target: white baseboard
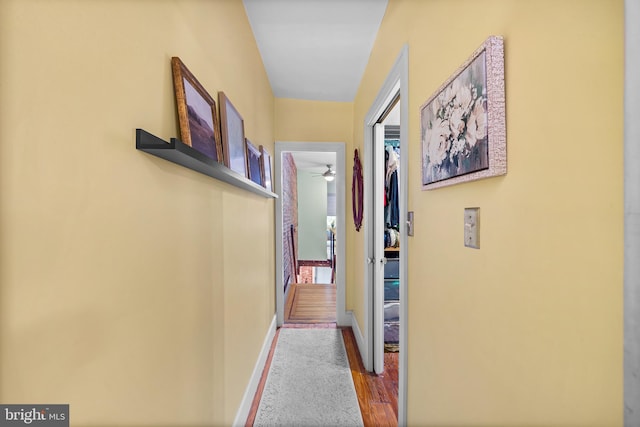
[[358, 334], [252, 387], [344, 319]]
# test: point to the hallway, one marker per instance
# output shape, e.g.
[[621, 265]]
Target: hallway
[[143, 292], [313, 306]]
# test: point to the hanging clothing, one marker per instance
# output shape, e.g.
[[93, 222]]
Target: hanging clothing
[[392, 214], [392, 164]]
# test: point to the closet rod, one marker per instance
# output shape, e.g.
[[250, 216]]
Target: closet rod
[[392, 104]]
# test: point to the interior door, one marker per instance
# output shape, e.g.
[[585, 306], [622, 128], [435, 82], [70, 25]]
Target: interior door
[[378, 250]]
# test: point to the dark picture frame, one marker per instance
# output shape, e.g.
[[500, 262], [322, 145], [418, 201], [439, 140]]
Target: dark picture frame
[[254, 166], [265, 166], [197, 113], [462, 125], [233, 140]]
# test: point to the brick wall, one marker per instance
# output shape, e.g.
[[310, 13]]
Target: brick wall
[[306, 274], [289, 216]]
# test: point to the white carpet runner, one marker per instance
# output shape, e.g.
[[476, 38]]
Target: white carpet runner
[[309, 382]]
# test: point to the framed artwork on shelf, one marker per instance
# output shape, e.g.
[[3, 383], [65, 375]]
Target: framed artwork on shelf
[[265, 166], [254, 163], [462, 124], [197, 114], [233, 141]]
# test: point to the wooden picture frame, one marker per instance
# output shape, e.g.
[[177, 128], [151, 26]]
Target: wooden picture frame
[[254, 167], [233, 140], [265, 166], [197, 115], [462, 124]]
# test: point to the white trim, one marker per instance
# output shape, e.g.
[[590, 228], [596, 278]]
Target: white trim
[[252, 387], [404, 246], [357, 332], [398, 77], [378, 185], [277, 188], [632, 215], [369, 254], [339, 149], [385, 96]]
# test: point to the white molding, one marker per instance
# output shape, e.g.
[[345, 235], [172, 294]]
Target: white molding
[[341, 177], [398, 78], [404, 246], [357, 332], [252, 387], [277, 188], [386, 94], [367, 157], [632, 215], [376, 231]]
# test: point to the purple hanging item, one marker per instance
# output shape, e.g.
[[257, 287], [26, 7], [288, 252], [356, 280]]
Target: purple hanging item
[[357, 191]]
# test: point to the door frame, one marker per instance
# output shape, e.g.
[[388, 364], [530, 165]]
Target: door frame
[[397, 81], [330, 147], [376, 252], [631, 215]]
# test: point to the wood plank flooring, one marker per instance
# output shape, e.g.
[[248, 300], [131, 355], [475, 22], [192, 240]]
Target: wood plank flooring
[[377, 394], [311, 303]]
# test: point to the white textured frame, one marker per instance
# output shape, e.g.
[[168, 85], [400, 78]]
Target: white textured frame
[[497, 140]]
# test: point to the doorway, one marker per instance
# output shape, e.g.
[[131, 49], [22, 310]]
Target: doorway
[[387, 222], [394, 90], [310, 250]]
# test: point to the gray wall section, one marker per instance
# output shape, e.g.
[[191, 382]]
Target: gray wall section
[[312, 217], [632, 215]]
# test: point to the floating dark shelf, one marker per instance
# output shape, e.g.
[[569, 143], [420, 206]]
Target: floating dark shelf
[[178, 152]]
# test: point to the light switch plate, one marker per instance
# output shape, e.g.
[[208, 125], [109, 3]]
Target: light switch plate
[[472, 227], [410, 223]]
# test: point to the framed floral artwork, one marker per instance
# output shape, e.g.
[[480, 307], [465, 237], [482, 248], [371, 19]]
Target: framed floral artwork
[[462, 124]]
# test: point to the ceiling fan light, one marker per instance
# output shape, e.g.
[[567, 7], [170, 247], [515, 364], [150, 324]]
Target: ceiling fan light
[[329, 178]]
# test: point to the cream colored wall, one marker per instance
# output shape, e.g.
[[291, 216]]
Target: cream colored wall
[[323, 121], [124, 287], [313, 121], [528, 329]]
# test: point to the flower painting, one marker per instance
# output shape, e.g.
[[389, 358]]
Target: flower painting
[[455, 126], [462, 125]]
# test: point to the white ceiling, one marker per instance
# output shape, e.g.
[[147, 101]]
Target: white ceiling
[[315, 49], [314, 162]]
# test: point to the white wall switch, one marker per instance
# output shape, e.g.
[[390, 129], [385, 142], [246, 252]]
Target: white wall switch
[[472, 227]]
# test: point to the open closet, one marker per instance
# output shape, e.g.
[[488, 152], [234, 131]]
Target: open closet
[[391, 238]]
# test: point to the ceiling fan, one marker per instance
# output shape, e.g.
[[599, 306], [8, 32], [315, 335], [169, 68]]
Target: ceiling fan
[[329, 174]]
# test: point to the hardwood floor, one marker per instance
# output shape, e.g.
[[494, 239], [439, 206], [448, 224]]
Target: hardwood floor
[[377, 394], [311, 303]]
